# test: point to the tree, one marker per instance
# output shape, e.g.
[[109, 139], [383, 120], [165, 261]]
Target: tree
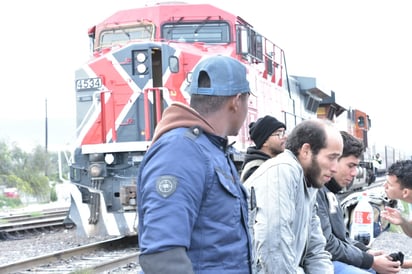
[[5, 159], [30, 172], [30, 169]]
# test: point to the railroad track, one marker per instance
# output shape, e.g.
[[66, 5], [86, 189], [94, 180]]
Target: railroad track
[[16, 225], [107, 255], [96, 258]]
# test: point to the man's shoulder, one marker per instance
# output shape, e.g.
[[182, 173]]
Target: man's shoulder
[[285, 167], [286, 162], [182, 136]]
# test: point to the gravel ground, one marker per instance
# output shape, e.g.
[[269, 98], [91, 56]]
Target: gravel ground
[[44, 243], [394, 242], [40, 244], [15, 250]]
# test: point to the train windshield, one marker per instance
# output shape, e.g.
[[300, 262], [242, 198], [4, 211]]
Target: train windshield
[[122, 35], [207, 32]]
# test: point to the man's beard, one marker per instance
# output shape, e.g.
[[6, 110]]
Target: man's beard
[[275, 151], [313, 174]]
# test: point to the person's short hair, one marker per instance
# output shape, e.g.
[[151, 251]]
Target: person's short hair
[[206, 104], [219, 75], [308, 131], [402, 169], [351, 145]]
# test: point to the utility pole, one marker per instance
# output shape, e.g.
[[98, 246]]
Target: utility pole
[[46, 127], [46, 139]]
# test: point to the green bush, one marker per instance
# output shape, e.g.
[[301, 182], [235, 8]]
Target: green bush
[[53, 194], [30, 172], [9, 202]]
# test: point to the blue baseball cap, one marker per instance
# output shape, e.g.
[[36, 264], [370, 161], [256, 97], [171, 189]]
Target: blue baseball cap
[[227, 77]]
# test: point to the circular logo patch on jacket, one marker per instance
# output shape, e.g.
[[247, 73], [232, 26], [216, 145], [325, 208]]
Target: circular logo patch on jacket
[[166, 185]]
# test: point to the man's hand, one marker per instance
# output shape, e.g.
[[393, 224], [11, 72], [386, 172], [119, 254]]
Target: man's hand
[[384, 265], [395, 217], [392, 215]]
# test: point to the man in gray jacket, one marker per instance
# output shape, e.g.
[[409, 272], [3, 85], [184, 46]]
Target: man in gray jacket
[[287, 232], [348, 256]]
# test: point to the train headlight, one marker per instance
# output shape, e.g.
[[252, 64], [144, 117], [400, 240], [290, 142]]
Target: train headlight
[[141, 57], [141, 68], [96, 170], [141, 62], [109, 159]]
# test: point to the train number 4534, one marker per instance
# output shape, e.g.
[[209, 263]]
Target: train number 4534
[[88, 83]]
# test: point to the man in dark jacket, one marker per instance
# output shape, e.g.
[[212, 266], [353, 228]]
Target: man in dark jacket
[[269, 136], [348, 256], [192, 207]]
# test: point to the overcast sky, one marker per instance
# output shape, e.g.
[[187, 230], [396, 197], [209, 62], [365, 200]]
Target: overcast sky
[[359, 49]]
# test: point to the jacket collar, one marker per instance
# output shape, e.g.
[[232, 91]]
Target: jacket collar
[[333, 186]]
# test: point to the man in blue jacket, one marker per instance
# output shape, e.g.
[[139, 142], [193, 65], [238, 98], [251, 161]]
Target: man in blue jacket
[[348, 256], [192, 206]]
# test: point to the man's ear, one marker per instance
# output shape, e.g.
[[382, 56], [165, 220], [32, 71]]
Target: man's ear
[[306, 150], [235, 102], [406, 192], [305, 155]]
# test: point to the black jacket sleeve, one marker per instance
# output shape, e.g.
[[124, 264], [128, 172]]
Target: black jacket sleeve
[[334, 230]]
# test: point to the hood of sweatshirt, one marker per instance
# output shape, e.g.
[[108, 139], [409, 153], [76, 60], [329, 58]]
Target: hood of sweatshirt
[[180, 115], [333, 186]]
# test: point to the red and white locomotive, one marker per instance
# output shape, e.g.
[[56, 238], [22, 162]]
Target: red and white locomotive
[[142, 62]]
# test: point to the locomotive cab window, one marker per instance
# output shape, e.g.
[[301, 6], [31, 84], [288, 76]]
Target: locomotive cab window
[[207, 32], [122, 35]]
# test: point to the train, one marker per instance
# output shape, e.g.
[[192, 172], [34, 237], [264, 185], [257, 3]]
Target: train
[[358, 124], [141, 61], [376, 158]]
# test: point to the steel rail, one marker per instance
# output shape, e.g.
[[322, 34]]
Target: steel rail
[[48, 259]]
